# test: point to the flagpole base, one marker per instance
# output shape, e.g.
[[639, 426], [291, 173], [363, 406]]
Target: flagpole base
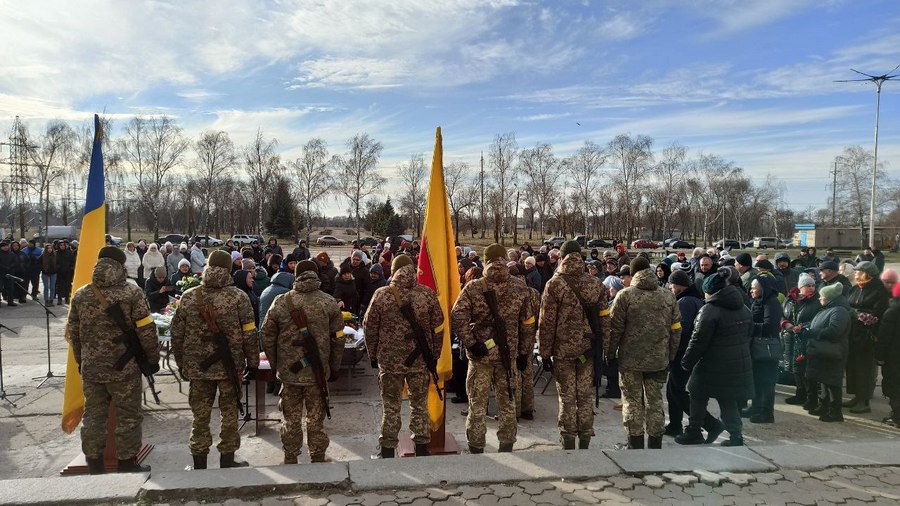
[[79, 463], [445, 445]]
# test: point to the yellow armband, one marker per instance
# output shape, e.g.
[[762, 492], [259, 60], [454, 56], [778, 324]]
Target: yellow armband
[[247, 327], [676, 326], [529, 321], [143, 322]]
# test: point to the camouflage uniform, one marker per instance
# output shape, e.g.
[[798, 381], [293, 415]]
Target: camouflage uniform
[[646, 330], [280, 338], [389, 341], [525, 399], [192, 343], [97, 346], [567, 337], [469, 315]]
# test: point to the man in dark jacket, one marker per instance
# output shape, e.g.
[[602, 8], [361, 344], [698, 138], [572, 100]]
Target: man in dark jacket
[[791, 276], [301, 252], [327, 272], [689, 303], [65, 270], [157, 290], [829, 271], [718, 355], [360, 278], [8, 261], [887, 352], [33, 267]]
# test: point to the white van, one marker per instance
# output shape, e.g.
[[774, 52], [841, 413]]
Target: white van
[[55, 232], [766, 242]]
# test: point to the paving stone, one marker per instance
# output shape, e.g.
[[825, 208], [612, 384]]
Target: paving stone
[[812, 485], [408, 496], [611, 494], [518, 499], [653, 481], [422, 501], [768, 478], [567, 486], [275, 501], [468, 492], [739, 479], [682, 480], [708, 477], [596, 485], [550, 497], [582, 496], [439, 494], [310, 501], [698, 490], [503, 491], [641, 493], [729, 490], [343, 500], [672, 491], [535, 487], [485, 500], [824, 475], [624, 482], [373, 499]]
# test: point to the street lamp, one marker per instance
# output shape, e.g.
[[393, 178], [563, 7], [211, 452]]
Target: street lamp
[[878, 80]]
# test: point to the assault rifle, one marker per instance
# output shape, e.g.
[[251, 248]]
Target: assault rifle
[[312, 358], [133, 348], [222, 353], [498, 324], [423, 346]]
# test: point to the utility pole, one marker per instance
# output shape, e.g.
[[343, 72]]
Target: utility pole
[[834, 194], [878, 81], [481, 182], [18, 162]]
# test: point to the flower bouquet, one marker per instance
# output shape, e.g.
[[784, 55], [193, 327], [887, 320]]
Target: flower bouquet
[[188, 282]]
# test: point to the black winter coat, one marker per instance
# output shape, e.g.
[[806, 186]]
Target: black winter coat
[[719, 349], [8, 261], [689, 304], [345, 291], [327, 275], [828, 333], [157, 300], [767, 310], [65, 262], [797, 311], [873, 299], [888, 350]]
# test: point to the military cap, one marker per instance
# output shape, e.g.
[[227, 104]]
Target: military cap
[[568, 248], [113, 253], [494, 252], [220, 258], [400, 261], [304, 266]]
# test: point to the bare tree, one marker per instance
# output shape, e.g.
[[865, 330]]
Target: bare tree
[[314, 180], [462, 193], [669, 170], [49, 161], [542, 172], [854, 177], [215, 159], [152, 147], [502, 157], [358, 175], [263, 165], [632, 158], [584, 166], [413, 175]]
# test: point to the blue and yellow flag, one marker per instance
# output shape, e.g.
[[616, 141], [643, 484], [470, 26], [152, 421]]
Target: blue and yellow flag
[[92, 239]]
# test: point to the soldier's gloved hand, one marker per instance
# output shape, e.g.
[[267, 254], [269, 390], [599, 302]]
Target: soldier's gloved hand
[[249, 374], [374, 364], [547, 362], [521, 362], [154, 368], [478, 350]]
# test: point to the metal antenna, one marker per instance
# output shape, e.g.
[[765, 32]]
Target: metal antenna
[[878, 81]]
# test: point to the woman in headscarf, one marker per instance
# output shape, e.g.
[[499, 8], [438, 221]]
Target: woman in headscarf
[[765, 348], [663, 271], [827, 352], [244, 280], [132, 261], [152, 259], [800, 306], [868, 301]]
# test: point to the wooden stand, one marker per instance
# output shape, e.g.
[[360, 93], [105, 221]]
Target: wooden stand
[[442, 442], [110, 462]]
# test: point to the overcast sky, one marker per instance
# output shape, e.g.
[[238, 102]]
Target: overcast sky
[[751, 81]]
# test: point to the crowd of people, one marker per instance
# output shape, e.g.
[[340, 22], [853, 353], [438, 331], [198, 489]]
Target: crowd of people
[[26, 266], [679, 328]]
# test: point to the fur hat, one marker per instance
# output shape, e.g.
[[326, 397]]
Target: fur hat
[[638, 264], [400, 261], [220, 258], [568, 248], [494, 252], [159, 272], [113, 253], [247, 264]]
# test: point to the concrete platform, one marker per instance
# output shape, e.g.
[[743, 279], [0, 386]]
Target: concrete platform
[[245, 481], [484, 468], [686, 459], [813, 457], [109, 488]]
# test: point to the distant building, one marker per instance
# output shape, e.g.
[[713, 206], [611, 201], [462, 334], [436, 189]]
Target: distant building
[[808, 234]]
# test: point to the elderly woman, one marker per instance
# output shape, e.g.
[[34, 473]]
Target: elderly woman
[[890, 278], [800, 306], [765, 348], [152, 259], [132, 261], [827, 351], [888, 354], [868, 300]]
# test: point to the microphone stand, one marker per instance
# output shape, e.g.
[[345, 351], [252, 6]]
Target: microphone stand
[[3, 395], [47, 313]]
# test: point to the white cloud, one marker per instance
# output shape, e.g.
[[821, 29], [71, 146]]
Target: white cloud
[[545, 116], [622, 26]]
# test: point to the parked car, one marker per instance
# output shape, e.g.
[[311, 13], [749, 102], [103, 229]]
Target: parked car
[[600, 243], [555, 242], [367, 241], [395, 240], [173, 238], [54, 232], [787, 243], [113, 240], [644, 244], [679, 244], [728, 244], [329, 240], [242, 239], [581, 240], [207, 241], [766, 242]]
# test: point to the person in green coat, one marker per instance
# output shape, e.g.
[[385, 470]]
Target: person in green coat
[[827, 349]]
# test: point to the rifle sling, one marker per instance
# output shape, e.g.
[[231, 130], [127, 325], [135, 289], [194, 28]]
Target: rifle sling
[[295, 316], [127, 355], [208, 314], [416, 351], [584, 307]]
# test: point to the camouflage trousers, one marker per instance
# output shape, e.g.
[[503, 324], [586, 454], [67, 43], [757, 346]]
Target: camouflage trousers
[[125, 396], [201, 397], [481, 376], [293, 399], [573, 386], [391, 391], [642, 402], [525, 399]]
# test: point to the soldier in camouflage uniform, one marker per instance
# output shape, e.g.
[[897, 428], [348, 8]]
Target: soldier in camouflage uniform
[[97, 345], [282, 341], [472, 319], [567, 342], [646, 330], [193, 343], [525, 399], [390, 342]]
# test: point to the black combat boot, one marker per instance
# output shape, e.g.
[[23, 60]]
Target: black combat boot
[[567, 442], [319, 459], [584, 442], [422, 450], [96, 466], [131, 466], [226, 460], [654, 442], [714, 428], [527, 415], [692, 436], [636, 442], [733, 441], [199, 461], [820, 407], [673, 429], [475, 450], [505, 448], [384, 453], [290, 459], [747, 413], [799, 397], [833, 409]]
